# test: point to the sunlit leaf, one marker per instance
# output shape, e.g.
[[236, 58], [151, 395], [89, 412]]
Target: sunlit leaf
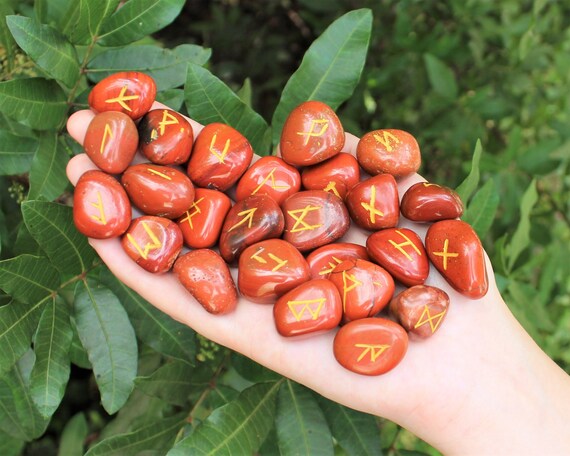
[[73, 436], [482, 208], [171, 382], [47, 174], [16, 153], [441, 77], [470, 183]]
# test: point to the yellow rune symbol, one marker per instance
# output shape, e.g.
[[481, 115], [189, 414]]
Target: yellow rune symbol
[[445, 255], [332, 264], [313, 306], [430, 185], [370, 206], [331, 186], [300, 220], [427, 317], [167, 119], [107, 134], [219, 156], [195, 210], [280, 263], [374, 350], [122, 98], [354, 283], [158, 173], [403, 244], [155, 244], [270, 175], [99, 205], [387, 139], [323, 126], [247, 217]]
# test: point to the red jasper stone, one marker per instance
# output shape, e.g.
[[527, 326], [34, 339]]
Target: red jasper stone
[[158, 190], [420, 309], [269, 269], [269, 176], [165, 137], [323, 260], [207, 278], [111, 141], [312, 307], [220, 156], [336, 175], [153, 242], [393, 152], [424, 202], [251, 220], [201, 224], [456, 251], [374, 203], [401, 252], [130, 92], [314, 218], [311, 134], [101, 207], [370, 346], [365, 288]]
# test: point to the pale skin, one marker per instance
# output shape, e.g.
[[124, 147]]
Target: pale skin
[[479, 386]]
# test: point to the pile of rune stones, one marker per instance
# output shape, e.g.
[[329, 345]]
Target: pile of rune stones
[[284, 230]]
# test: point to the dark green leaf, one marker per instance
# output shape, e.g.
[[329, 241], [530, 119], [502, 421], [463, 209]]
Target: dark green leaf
[[47, 47], [10, 446], [36, 102], [14, 127], [6, 39], [330, 69], [481, 210], [28, 278], [107, 335], [252, 371], [209, 100], [77, 353], [25, 243], [441, 77], [40, 10], [90, 17], [171, 382], [16, 153], [73, 436], [244, 93], [173, 98], [138, 18], [301, 425], [469, 185], [47, 174], [236, 428]]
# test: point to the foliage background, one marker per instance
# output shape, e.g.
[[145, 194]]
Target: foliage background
[[450, 72]]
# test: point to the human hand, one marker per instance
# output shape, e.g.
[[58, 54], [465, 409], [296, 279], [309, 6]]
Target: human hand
[[462, 390]]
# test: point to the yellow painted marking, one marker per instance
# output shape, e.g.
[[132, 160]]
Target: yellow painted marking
[[430, 185], [122, 98], [331, 186], [445, 255], [403, 244], [374, 350], [158, 173], [154, 134], [324, 125], [280, 263], [247, 217], [298, 308], [370, 206], [107, 134], [300, 220], [426, 317], [219, 156], [387, 139], [196, 210], [156, 244], [355, 283], [99, 205], [167, 119], [270, 175], [332, 265]]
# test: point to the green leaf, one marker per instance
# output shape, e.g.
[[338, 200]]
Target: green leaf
[[154, 438], [171, 382], [138, 18], [330, 69], [89, 18], [35, 102], [47, 174], [47, 47], [73, 436], [236, 428], [173, 98], [441, 77], [77, 353], [209, 100], [469, 185], [481, 210], [167, 67], [51, 345], [28, 278], [6, 39], [10, 446], [51, 225], [301, 425], [107, 335], [40, 10], [244, 93], [528, 42], [16, 153], [252, 371]]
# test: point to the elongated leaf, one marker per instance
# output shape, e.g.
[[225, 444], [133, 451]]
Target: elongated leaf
[[107, 335], [36, 102], [16, 153], [73, 436], [171, 382], [469, 185], [6, 39], [209, 100], [138, 18], [47, 47], [301, 425], [236, 428], [28, 278], [47, 174], [14, 127], [441, 77], [51, 345], [167, 67], [90, 17], [51, 225], [330, 69], [77, 353], [173, 98], [10, 446], [482, 208]]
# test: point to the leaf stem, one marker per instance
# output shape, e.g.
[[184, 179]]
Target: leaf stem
[[82, 71]]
